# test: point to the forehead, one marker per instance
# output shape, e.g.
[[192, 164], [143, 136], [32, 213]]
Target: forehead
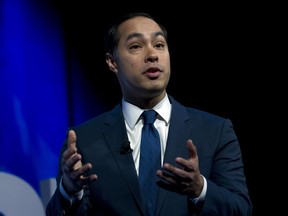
[[141, 25]]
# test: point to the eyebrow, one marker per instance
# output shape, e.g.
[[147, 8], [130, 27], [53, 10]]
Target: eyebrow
[[140, 35]]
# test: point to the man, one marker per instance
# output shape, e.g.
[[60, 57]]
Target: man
[[100, 167]]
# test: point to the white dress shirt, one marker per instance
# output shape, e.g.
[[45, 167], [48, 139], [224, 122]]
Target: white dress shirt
[[134, 126]]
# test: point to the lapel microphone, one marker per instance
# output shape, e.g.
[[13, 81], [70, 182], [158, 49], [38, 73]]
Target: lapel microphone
[[125, 148]]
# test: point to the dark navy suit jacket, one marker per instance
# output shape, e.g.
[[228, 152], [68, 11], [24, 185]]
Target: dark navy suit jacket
[[103, 142]]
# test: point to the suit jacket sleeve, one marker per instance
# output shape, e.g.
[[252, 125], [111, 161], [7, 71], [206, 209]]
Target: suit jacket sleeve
[[227, 192]]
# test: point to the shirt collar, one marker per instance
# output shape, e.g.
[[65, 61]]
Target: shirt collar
[[132, 113]]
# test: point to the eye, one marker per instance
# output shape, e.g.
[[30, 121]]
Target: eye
[[135, 46], [159, 45]]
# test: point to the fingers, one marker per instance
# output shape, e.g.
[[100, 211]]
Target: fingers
[[192, 160], [173, 174], [185, 171], [72, 163], [79, 173], [75, 175], [169, 173]]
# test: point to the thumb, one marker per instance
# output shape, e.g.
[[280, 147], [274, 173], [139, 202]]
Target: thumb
[[71, 141], [192, 150]]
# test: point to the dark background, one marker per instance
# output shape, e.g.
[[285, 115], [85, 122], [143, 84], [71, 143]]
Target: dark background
[[221, 62]]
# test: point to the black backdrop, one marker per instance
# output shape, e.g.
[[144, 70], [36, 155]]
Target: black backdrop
[[217, 57]]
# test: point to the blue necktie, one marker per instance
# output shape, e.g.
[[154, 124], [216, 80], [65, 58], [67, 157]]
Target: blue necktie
[[150, 160]]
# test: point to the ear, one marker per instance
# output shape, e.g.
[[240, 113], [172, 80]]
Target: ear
[[111, 63]]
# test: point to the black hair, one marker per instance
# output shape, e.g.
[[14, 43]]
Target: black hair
[[112, 37]]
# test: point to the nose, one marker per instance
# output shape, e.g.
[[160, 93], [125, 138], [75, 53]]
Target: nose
[[152, 55]]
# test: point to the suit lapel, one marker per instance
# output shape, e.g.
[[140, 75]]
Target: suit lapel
[[176, 141], [178, 133], [116, 137]]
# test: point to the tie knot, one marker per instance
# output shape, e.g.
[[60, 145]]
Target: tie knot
[[149, 116]]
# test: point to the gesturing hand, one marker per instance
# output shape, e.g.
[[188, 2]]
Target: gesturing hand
[[184, 179], [72, 168]]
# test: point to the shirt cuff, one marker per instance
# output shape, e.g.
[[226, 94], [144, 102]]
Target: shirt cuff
[[203, 193], [71, 199]]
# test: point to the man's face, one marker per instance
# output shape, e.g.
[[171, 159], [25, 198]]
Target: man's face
[[142, 60]]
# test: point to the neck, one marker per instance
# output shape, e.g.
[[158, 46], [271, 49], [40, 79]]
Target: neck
[[145, 102]]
